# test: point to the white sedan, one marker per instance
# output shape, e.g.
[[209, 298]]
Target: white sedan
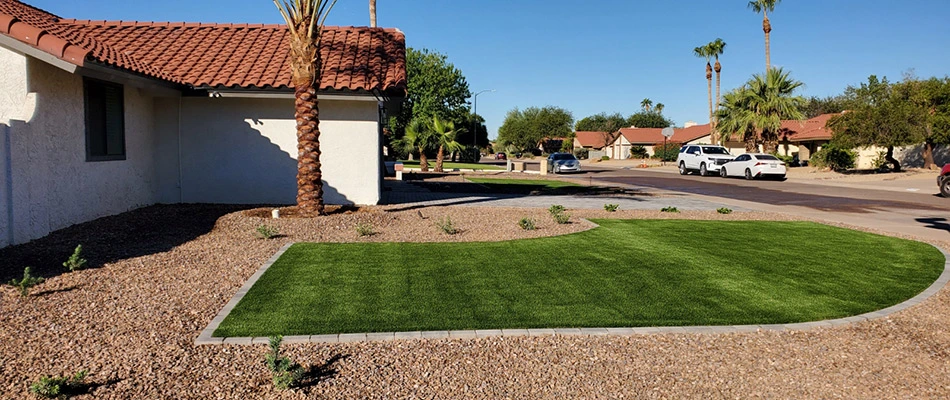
[[754, 165]]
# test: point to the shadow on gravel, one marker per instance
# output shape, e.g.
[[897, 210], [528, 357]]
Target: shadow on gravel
[[317, 373], [149, 230]]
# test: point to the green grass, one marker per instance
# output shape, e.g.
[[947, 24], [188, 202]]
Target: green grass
[[539, 183], [625, 273], [452, 165]]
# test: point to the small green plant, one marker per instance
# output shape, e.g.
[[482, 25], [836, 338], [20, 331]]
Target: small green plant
[[75, 261], [670, 210], [267, 232], [556, 209], [562, 218], [724, 210], [604, 158], [59, 387], [285, 373], [364, 229], [611, 207], [447, 226], [527, 224], [27, 282]]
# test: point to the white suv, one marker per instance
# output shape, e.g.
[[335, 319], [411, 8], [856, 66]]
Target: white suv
[[705, 159]]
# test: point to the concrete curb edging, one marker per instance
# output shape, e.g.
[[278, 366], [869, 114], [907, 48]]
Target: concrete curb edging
[[205, 337]]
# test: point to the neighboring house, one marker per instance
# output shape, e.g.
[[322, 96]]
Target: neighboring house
[[98, 117], [592, 140], [627, 138], [796, 138]]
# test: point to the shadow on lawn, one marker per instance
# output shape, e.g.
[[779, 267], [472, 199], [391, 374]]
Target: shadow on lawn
[[137, 233]]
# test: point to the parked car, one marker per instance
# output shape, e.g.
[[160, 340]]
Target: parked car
[[943, 181], [705, 159], [754, 165], [501, 156], [563, 162]]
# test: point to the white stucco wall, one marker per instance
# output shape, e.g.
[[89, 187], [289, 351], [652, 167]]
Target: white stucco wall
[[52, 184], [244, 151]]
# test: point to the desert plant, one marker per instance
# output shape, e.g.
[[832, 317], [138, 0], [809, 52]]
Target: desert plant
[[670, 210], [834, 157], [724, 210], [562, 218], [285, 372], [27, 282], [75, 261], [581, 153], [556, 209], [611, 207], [59, 387], [447, 226], [639, 152], [364, 229], [604, 158], [527, 224], [267, 232]]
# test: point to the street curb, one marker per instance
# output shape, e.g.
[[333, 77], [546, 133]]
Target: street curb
[[205, 337]]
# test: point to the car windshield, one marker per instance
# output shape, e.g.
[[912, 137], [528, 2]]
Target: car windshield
[[559, 157], [767, 157], [715, 150]]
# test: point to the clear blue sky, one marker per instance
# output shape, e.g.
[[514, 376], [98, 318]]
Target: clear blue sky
[[608, 55]]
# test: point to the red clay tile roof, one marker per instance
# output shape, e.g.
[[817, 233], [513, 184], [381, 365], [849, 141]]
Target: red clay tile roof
[[212, 55], [595, 140], [812, 129], [651, 136]]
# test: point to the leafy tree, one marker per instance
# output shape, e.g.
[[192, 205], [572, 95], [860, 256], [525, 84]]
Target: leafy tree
[[443, 135], [435, 88], [816, 106], [524, 129], [932, 96], [706, 52], [651, 119], [602, 123], [765, 7], [465, 134], [305, 20]]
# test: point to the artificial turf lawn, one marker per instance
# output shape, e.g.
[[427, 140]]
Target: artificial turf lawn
[[624, 273], [538, 183], [451, 165]]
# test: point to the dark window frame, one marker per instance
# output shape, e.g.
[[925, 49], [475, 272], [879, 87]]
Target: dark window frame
[[93, 154]]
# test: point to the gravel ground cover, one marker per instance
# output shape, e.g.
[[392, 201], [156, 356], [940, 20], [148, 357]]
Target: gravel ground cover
[[160, 274]]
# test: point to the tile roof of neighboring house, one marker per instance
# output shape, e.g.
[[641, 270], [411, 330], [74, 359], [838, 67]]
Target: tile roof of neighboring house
[[212, 55], [596, 140], [651, 136], [811, 129]]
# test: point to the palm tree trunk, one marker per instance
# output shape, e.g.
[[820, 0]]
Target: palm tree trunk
[[423, 161], [715, 127], [928, 154], [767, 28], [372, 13], [713, 136], [309, 176], [439, 158]]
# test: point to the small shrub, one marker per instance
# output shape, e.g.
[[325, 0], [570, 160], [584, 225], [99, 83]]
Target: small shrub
[[667, 152], [834, 157], [639, 152], [527, 224], [26, 283], [611, 207], [364, 229], [788, 160], [285, 373], [556, 209], [880, 160], [447, 226], [670, 210], [724, 210], [75, 261], [562, 218], [581, 153], [604, 158], [59, 387], [267, 232]]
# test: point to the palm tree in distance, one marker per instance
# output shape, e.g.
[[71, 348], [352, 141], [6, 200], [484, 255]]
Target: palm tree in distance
[[736, 120], [706, 52], [646, 104], [372, 13], [659, 108], [419, 138], [305, 21], [716, 48], [765, 7], [771, 98], [443, 135]]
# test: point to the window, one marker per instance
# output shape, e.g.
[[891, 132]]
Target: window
[[714, 150], [105, 120]]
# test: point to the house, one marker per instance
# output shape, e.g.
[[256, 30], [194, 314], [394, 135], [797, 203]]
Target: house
[[627, 138], [101, 117], [592, 140], [796, 138]]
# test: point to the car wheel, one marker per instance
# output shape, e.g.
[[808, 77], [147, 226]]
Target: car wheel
[[683, 170], [702, 170], [945, 188], [748, 174], [722, 171]]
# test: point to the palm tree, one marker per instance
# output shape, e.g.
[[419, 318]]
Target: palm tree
[[419, 138], [717, 47], [771, 99], [765, 7], [659, 108], [443, 135], [736, 121], [372, 13], [646, 104], [706, 52], [305, 20]]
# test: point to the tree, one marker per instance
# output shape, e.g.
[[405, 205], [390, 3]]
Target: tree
[[736, 120], [443, 136], [602, 123], [882, 115], [481, 131], [419, 138], [650, 119], [372, 13], [716, 48], [659, 108], [435, 88], [646, 104], [706, 52], [771, 98], [305, 20], [524, 129], [765, 7], [935, 99], [816, 106]]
